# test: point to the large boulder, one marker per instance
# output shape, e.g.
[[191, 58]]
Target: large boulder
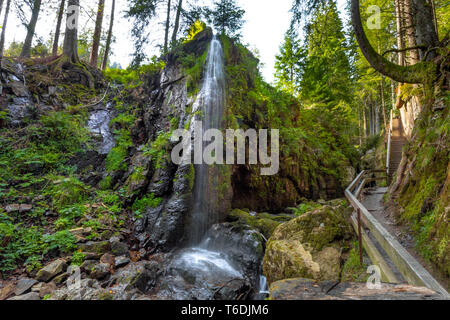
[[309, 246]]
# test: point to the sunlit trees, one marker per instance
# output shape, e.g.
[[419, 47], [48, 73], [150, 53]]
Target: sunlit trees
[[31, 26], [226, 16], [109, 37], [93, 60], [289, 63]]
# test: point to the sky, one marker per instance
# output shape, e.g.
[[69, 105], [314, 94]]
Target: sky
[[266, 24]]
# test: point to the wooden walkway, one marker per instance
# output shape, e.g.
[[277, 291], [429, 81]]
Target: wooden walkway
[[398, 140], [396, 263]]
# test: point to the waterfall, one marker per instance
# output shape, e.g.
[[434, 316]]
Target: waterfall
[[208, 108]]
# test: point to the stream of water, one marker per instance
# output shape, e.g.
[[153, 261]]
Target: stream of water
[[209, 108]]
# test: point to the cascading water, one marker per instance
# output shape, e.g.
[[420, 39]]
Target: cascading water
[[208, 109], [218, 261]]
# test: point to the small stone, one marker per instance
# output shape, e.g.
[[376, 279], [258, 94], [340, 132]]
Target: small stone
[[25, 208], [88, 265], [81, 231], [47, 289], [37, 287], [23, 285], [121, 262], [52, 90], [119, 248], [19, 89], [28, 296], [61, 278], [91, 256], [51, 270], [107, 258], [22, 208], [100, 271], [6, 291], [97, 247]]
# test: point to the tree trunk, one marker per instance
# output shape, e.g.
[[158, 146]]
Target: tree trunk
[[109, 38], [93, 61], [166, 36], [1, 7], [399, 23], [421, 72], [426, 33], [26, 49], [383, 103], [58, 28], [410, 32], [177, 22], [5, 21], [70, 48], [364, 121]]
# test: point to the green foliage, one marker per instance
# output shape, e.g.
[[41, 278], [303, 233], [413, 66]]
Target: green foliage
[[63, 241], [306, 207], [67, 191], [226, 16], [78, 258], [289, 64], [61, 131], [149, 201], [194, 29], [134, 76], [193, 67], [353, 270], [115, 160], [159, 149]]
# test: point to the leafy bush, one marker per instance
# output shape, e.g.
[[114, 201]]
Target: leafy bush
[[78, 258], [63, 241], [67, 191], [159, 149], [147, 202], [116, 158]]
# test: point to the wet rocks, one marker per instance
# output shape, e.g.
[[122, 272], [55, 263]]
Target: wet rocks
[[51, 270], [243, 247], [99, 124]]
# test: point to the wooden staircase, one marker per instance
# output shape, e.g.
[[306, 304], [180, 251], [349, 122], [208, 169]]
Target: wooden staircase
[[398, 140]]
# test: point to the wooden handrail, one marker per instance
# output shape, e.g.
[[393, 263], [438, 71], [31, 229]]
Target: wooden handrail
[[389, 143], [412, 270]]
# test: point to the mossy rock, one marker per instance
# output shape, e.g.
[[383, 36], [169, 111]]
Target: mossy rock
[[264, 222], [309, 246], [317, 228], [286, 259]]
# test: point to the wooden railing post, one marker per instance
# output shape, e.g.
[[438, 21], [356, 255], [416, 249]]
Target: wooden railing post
[[388, 152], [360, 236]]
